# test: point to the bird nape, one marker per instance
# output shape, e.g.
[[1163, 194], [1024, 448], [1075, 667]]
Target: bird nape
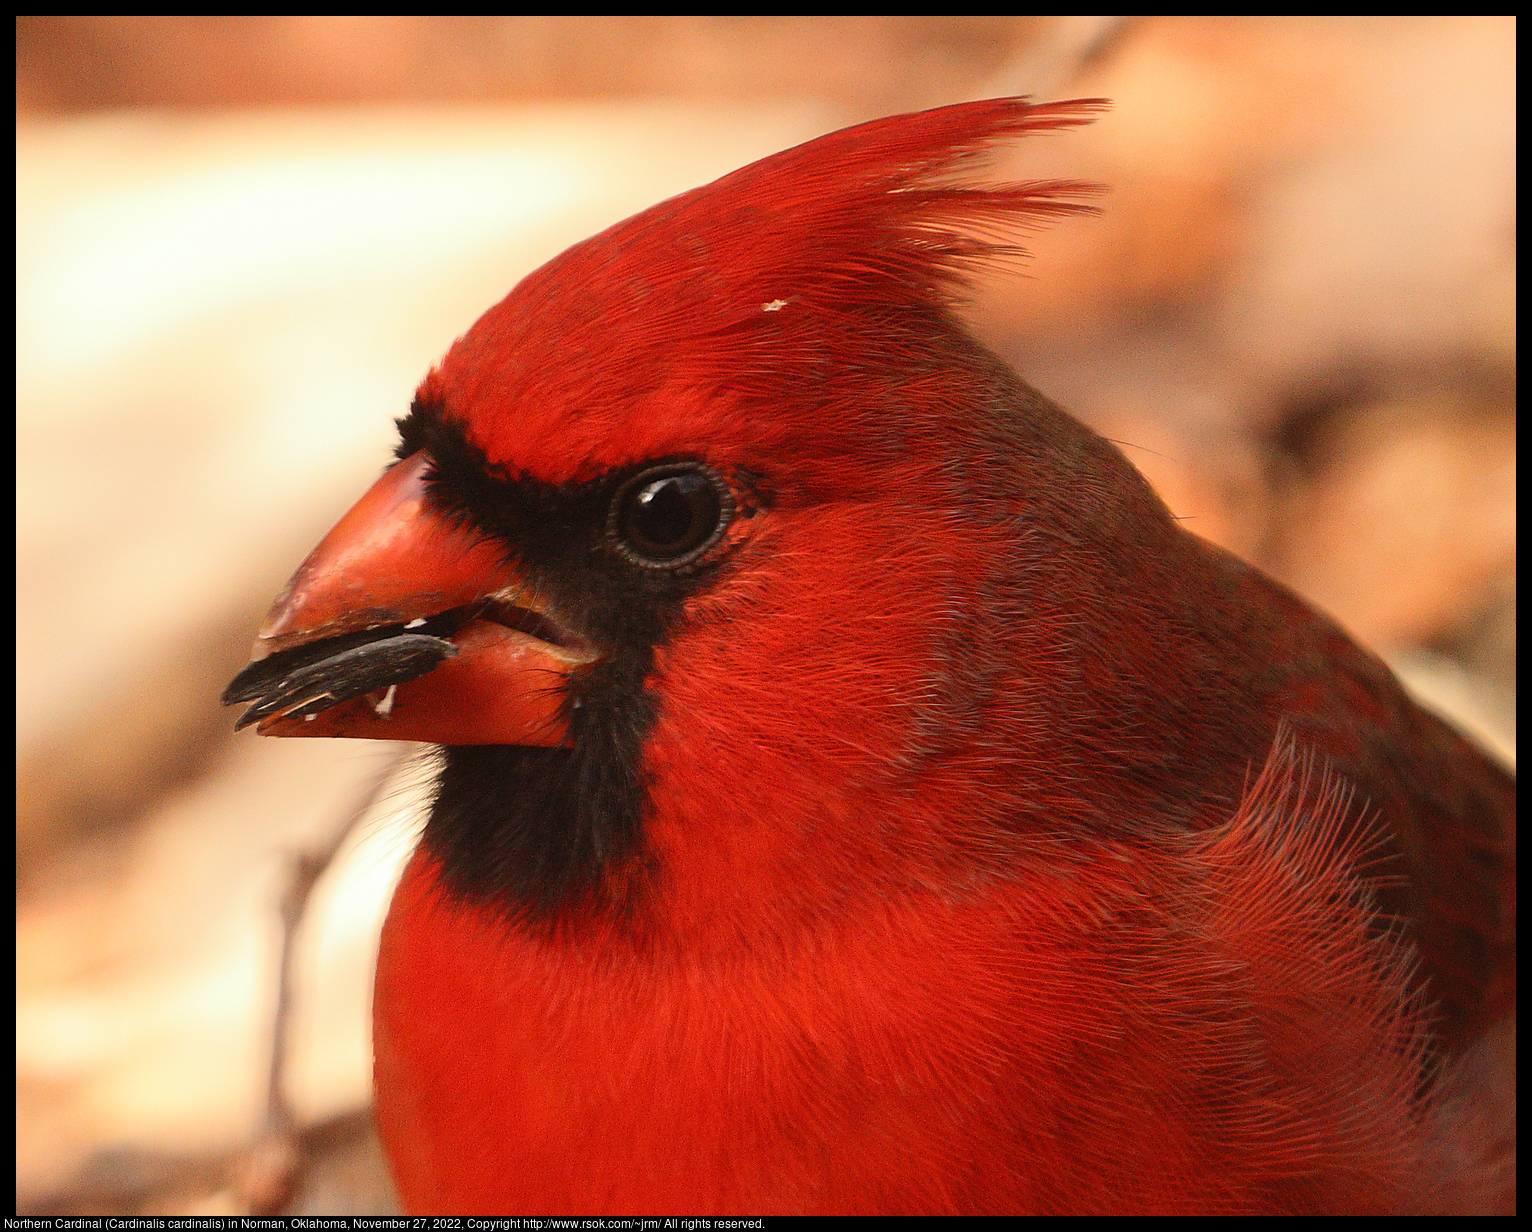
[[857, 794]]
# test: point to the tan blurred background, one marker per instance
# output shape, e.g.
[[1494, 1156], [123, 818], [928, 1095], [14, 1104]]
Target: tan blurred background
[[242, 240]]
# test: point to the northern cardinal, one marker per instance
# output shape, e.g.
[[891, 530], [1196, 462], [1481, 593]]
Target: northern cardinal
[[858, 794]]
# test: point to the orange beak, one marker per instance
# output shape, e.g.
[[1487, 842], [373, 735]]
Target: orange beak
[[403, 625]]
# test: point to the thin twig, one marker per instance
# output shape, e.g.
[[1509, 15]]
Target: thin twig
[[274, 1165]]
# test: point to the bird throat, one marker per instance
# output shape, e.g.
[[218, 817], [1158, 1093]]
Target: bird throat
[[530, 832]]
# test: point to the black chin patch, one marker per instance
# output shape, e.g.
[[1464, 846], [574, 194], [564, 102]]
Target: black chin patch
[[533, 830]]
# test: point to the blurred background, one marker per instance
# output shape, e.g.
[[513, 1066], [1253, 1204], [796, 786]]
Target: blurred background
[[242, 241]]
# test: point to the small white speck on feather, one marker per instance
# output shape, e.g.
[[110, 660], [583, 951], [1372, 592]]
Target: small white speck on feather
[[385, 707]]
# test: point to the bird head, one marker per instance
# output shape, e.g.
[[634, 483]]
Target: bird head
[[723, 512]]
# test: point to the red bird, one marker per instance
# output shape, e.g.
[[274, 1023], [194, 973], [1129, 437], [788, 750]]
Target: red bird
[[858, 795]]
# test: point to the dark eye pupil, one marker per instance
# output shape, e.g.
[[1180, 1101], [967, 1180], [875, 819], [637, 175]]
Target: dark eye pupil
[[670, 515]]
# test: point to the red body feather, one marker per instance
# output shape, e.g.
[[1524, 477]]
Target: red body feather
[[1202, 1025], [961, 886]]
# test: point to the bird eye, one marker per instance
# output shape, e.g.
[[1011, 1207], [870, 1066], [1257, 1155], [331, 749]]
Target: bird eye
[[671, 514]]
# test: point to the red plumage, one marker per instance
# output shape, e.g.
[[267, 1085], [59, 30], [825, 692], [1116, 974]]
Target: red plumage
[[569, 372], [902, 843]]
